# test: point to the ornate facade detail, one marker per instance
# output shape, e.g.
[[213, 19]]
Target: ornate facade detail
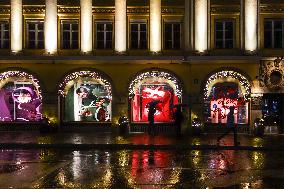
[[33, 9], [171, 10], [69, 10], [272, 73], [103, 10], [137, 10], [225, 9], [272, 8], [5, 10]]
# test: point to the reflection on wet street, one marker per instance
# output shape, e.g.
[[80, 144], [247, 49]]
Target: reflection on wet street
[[141, 169]]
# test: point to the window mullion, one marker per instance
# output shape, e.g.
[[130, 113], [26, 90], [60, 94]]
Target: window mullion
[[272, 33], [282, 24], [104, 36], [138, 36], [70, 38], [172, 35], [36, 35], [224, 34], [2, 35]]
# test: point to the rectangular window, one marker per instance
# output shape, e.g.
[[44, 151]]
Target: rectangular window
[[69, 34], [224, 34], [172, 33], [138, 36], [273, 34], [4, 35], [35, 34], [104, 35]]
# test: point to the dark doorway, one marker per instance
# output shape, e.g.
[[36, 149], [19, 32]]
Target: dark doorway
[[272, 110]]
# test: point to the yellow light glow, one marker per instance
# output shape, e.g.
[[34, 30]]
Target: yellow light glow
[[50, 26], [251, 25], [120, 26], [86, 26], [155, 26], [16, 25], [201, 18]]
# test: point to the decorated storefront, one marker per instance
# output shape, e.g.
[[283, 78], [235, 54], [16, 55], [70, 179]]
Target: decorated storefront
[[222, 90], [20, 97], [154, 86], [86, 97]]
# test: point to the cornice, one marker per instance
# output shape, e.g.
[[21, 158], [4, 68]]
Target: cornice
[[225, 8], [28, 9], [69, 9], [272, 8], [104, 10], [5, 9]]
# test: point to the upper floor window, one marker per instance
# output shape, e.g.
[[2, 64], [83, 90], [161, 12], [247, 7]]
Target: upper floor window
[[35, 34], [4, 35], [224, 34], [104, 35], [69, 34], [172, 35], [138, 36], [273, 34]]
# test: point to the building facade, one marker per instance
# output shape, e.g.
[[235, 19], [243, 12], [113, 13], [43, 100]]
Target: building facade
[[84, 61]]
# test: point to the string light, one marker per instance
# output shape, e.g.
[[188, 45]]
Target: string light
[[155, 75], [75, 75], [21, 74], [243, 81]]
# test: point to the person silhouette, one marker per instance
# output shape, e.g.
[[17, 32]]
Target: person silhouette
[[231, 127], [178, 117], [151, 114]]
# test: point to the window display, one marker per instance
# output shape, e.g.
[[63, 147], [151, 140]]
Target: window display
[[87, 97], [147, 93], [224, 89], [223, 96], [154, 86], [20, 98]]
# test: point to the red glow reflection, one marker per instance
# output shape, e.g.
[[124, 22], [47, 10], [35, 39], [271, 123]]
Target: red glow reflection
[[148, 93]]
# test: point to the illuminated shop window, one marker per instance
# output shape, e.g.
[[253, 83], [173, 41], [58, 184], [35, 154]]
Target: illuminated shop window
[[138, 36], [224, 34], [273, 33], [69, 34], [223, 96], [35, 34], [172, 35], [157, 86], [104, 35], [87, 97], [4, 35], [224, 89], [20, 97]]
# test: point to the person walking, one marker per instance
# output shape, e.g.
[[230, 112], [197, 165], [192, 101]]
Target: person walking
[[178, 117], [151, 114], [231, 127]]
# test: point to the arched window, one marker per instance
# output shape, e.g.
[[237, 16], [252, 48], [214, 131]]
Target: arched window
[[224, 89], [20, 97], [154, 86], [87, 97]]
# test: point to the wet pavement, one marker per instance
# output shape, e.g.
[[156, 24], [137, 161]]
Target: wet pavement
[[141, 169], [34, 137], [63, 168]]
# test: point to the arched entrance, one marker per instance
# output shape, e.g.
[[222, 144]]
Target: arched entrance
[[154, 85], [224, 89], [20, 97], [87, 97]]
